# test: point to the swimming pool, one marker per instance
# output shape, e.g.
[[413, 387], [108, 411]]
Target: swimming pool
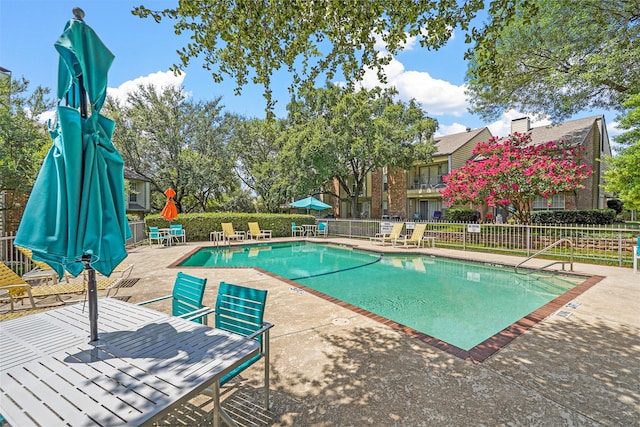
[[462, 303]]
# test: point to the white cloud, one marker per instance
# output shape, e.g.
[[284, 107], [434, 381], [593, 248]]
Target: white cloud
[[614, 129], [444, 130], [381, 46], [46, 116], [437, 97], [160, 80]]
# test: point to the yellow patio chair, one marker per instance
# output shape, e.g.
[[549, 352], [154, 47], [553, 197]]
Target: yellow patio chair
[[42, 271], [382, 238], [256, 233], [14, 285], [415, 239], [20, 289], [229, 233]]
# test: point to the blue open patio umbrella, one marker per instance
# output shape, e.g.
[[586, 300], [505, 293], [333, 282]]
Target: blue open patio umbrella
[[310, 203], [75, 218]]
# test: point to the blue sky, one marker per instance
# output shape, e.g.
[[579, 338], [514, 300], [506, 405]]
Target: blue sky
[[144, 50]]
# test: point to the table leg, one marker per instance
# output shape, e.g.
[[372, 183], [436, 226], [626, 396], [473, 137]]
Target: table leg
[[218, 412]]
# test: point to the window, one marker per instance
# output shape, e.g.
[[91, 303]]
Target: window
[[133, 192], [541, 204]]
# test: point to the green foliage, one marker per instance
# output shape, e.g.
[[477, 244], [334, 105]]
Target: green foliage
[[623, 176], [556, 57], [177, 143], [584, 217], [629, 120], [256, 150], [460, 215], [335, 133], [251, 41], [23, 141], [199, 225]]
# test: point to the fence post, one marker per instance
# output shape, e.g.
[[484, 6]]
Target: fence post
[[619, 248], [464, 238], [528, 242]]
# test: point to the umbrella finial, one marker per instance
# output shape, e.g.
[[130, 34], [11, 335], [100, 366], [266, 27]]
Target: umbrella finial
[[78, 13]]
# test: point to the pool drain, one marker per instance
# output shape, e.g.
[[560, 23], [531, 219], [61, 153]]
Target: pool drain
[[563, 313], [340, 321]]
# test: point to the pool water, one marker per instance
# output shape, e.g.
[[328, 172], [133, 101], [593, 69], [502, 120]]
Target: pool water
[[462, 303]]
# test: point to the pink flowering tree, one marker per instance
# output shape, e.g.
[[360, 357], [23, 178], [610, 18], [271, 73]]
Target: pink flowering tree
[[511, 172]]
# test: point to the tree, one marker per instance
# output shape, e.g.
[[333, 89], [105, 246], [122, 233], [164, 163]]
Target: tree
[[623, 177], [338, 134], [510, 173], [23, 141], [254, 144], [556, 57], [176, 143], [251, 40]]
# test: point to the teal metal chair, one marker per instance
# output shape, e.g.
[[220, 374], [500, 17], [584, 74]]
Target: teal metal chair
[[186, 298], [296, 230], [240, 310], [159, 236], [177, 233], [323, 229]]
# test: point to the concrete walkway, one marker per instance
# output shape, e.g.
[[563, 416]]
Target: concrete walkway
[[333, 367]]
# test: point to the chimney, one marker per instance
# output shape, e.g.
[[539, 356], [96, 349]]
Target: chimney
[[521, 125], [468, 129]]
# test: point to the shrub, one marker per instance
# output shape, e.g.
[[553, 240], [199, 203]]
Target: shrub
[[587, 217], [199, 225], [460, 215]]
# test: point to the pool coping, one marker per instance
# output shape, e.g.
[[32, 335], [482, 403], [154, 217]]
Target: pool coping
[[478, 353]]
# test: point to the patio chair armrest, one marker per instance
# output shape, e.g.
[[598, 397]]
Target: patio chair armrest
[[26, 286], [265, 327], [197, 314], [155, 300]]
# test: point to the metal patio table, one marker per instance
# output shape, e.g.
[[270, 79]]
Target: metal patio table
[[144, 363]]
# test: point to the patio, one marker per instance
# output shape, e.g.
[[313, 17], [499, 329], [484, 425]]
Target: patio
[[333, 367]]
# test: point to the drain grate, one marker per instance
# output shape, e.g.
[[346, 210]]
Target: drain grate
[[128, 283], [563, 313], [573, 304]]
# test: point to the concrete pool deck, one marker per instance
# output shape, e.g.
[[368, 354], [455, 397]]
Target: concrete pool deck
[[331, 366]]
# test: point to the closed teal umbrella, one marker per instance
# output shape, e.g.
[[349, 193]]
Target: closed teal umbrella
[[76, 214]]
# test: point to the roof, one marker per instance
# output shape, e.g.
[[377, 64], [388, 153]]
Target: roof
[[450, 143], [573, 131], [131, 174], [136, 207]]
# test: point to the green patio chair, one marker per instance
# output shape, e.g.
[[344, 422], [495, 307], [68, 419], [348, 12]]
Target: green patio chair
[[240, 310], [186, 298]]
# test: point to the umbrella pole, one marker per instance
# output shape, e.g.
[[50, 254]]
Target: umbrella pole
[[92, 288], [92, 291]]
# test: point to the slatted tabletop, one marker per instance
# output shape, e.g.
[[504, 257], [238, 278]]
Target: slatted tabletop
[[143, 363]]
